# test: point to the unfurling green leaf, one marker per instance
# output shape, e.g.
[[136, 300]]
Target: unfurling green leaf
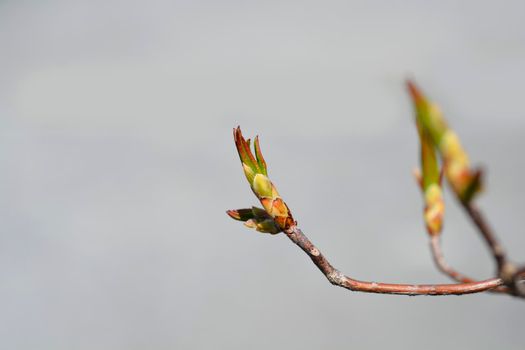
[[430, 176], [256, 218]]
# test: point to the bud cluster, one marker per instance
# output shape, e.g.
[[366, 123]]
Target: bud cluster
[[276, 216]]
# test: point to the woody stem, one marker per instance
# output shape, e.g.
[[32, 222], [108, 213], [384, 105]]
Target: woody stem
[[339, 279]]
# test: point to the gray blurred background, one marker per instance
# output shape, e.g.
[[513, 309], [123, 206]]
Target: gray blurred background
[[117, 164]]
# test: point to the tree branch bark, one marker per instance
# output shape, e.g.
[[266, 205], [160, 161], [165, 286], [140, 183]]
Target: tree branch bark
[[339, 279], [488, 235], [505, 269]]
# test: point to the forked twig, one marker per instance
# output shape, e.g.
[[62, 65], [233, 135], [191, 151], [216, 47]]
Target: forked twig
[[439, 260]]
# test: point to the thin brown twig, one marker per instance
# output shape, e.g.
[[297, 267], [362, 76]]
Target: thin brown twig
[[488, 235], [512, 280], [439, 259], [339, 279]]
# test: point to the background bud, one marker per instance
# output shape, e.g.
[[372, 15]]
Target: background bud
[[465, 181]]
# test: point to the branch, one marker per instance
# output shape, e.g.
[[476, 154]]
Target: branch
[[337, 278], [275, 217], [488, 235]]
